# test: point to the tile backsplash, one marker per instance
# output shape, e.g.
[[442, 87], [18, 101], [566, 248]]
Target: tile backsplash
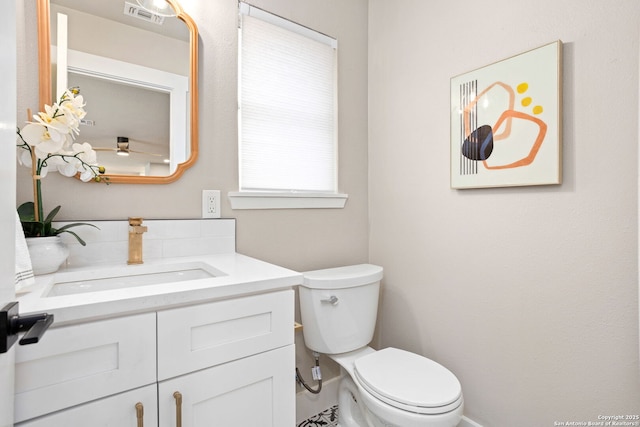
[[163, 239]]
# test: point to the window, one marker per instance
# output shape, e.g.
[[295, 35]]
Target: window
[[287, 117]]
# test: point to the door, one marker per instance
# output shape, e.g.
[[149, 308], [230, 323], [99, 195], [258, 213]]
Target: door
[[7, 192], [254, 391]]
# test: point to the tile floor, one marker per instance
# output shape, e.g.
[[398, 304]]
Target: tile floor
[[326, 418]]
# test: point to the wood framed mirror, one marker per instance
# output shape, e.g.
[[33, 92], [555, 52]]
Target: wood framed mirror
[[137, 69]]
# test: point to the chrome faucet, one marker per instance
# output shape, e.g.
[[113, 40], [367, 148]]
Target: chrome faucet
[[136, 229]]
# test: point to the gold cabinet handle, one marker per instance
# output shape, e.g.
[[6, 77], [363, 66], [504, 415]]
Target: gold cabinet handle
[[178, 397], [140, 414]]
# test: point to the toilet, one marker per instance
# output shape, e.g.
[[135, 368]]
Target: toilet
[[378, 388]]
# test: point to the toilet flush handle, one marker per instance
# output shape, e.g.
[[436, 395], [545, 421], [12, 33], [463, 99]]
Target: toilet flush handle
[[333, 300]]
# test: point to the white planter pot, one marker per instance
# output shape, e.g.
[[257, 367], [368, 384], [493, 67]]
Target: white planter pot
[[47, 254]]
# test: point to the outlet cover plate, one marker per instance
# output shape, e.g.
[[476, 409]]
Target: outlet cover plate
[[210, 203]]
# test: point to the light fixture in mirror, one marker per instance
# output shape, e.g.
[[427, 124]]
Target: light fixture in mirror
[[122, 146], [158, 7], [141, 85]]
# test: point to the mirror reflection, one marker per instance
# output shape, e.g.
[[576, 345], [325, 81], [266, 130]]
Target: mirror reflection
[[136, 70]]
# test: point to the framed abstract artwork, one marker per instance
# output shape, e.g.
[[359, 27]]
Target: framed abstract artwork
[[506, 122]]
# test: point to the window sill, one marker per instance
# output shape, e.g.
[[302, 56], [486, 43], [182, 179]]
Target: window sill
[[267, 200]]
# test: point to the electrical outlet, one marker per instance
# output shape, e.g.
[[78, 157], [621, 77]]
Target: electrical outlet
[[210, 203]]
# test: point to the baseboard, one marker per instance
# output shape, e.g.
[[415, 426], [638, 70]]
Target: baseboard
[[467, 422], [309, 404]]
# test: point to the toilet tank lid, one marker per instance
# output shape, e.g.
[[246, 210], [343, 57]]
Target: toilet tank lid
[[342, 277]]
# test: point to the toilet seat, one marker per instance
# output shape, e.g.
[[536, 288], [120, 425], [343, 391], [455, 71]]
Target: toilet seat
[[408, 381]]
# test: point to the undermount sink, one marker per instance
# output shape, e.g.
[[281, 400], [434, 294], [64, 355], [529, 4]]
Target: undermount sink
[[128, 277]]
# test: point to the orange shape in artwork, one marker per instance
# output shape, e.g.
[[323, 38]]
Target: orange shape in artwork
[[469, 107], [507, 116]]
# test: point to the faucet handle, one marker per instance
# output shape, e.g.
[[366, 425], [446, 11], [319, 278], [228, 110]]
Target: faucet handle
[[136, 220], [136, 225]]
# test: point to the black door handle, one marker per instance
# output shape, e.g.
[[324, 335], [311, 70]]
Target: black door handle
[[11, 323], [35, 325]]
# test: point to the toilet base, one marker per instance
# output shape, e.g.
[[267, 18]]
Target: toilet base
[[350, 413], [357, 408], [354, 412]]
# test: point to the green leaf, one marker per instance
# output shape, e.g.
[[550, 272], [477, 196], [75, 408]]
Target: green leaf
[[30, 226], [52, 215], [65, 229], [75, 224], [82, 242], [25, 211], [47, 229]]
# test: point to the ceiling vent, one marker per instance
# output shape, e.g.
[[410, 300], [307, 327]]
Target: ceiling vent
[[136, 11]]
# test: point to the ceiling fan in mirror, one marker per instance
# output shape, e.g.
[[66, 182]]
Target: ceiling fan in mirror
[[123, 148]]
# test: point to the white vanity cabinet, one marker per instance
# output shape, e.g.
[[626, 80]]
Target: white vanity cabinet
[[229, 362]]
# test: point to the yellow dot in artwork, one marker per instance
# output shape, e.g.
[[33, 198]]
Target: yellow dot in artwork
[[537, 109], [522, 87], [526, 101]]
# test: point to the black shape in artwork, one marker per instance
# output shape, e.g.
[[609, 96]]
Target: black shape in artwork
[[479, 144]]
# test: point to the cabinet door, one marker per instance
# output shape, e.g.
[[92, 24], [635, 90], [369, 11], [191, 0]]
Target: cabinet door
[[75, 364], [250, 392], [115, 411]]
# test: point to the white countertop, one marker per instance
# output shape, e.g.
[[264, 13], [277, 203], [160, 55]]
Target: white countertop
[[243, 275]]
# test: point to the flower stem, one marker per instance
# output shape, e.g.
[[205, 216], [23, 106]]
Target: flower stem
[[38, 209], [37, 193]]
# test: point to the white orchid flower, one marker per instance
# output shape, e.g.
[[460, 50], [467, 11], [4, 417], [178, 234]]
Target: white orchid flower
[[87, 175], [87, 153], [69, 118], [64, 163], [24, 158], [56, 122], [73, 106], [50, 137], [81, 158], [39, 137], [68, 169]]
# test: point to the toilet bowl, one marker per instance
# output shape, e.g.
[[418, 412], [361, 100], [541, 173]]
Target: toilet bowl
[[383, 388], [396, 388]]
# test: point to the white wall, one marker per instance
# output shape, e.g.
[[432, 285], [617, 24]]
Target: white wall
[[529, 295]]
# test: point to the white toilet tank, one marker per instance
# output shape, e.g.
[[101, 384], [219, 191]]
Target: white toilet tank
[[339, 307]]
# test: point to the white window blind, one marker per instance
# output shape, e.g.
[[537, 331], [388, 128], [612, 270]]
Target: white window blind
[[287, 106]]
